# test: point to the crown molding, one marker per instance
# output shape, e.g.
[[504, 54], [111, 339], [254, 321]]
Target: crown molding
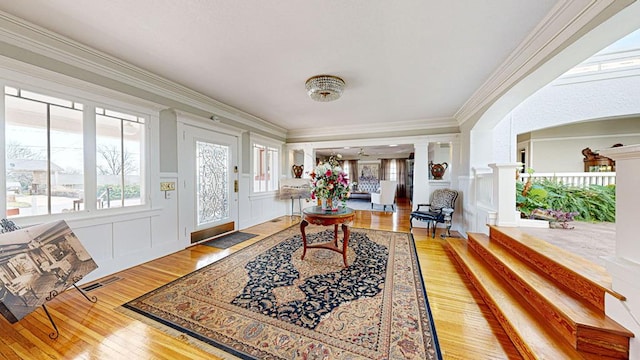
[[20, 33], [630, 152], [566, 21], [374, 129], [34, 78]]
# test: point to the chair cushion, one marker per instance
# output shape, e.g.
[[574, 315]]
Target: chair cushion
[[442, 199], [427, 215]]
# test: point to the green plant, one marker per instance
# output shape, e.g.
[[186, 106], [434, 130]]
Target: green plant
[[556, 218], [115, 191], [592, 203]]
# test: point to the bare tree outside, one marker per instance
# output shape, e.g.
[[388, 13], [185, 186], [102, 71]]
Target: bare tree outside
[[114, 164], [17, 151]]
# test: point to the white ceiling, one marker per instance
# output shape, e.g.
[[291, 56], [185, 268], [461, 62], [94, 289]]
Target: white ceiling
[[403, 61]]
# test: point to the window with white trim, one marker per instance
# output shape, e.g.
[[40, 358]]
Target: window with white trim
[[393, 170], [45, 152], [119, 146], [265, 168]]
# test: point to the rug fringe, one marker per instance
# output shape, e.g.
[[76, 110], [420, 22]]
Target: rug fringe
[[222, 355]]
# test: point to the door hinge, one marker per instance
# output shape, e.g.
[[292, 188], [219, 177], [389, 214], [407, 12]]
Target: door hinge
[[235, 185]]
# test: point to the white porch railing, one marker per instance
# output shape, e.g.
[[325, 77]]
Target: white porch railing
[[578, 179]]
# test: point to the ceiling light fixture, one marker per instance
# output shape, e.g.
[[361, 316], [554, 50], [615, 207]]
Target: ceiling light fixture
[[324, 87], [129, 129]]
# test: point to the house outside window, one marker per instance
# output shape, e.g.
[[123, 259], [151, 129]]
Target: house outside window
[[46, 147]]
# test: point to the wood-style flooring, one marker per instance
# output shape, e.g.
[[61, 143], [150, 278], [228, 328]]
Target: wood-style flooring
[[465, 327]]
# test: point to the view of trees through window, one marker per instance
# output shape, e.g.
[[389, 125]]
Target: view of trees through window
[[118, 162], [45, 152]]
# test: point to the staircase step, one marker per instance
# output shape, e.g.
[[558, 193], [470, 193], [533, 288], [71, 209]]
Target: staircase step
[[588, 280], [530, 333], [584, 326]]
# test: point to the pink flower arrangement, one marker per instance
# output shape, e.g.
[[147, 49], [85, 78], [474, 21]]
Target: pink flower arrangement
[[329, 181]]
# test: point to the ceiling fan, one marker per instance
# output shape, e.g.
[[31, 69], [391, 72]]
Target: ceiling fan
[[362, 153]]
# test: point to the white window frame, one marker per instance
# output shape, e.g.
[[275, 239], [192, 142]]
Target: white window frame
[[91, 96], [269, 143], [393, 175]]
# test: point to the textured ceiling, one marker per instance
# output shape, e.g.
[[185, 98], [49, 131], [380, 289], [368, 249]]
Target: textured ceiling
[[403, 61]]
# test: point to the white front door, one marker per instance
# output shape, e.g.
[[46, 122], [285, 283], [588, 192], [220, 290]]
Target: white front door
[[209, 174]]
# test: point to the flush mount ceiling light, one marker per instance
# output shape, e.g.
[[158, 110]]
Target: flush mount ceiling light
[[324, 87]]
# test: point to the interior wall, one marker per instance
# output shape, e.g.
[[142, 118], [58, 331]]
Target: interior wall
[[559, 149], [168, 141], [565, 155]]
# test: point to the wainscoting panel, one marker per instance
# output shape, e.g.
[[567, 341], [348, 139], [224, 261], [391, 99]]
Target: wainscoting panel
[[97, 240], [131, 236]]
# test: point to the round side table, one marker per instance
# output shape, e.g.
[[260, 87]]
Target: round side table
[[315, 215]]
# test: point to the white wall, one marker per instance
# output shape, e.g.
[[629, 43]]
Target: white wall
[[565, 155], [126, 240], [559, 149]]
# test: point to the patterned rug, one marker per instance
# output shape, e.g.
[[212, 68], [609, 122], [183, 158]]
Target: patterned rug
[[263, 302]]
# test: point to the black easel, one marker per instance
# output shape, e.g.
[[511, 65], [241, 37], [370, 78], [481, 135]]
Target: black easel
[[53, 294]]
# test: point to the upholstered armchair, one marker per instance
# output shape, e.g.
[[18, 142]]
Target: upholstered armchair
[[386, 196], [439, 210]]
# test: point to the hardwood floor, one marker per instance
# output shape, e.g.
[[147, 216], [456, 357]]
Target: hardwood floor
[[466, 329]]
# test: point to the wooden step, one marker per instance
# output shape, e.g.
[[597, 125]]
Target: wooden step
[[529, 332], [585, 278], [584, 326]]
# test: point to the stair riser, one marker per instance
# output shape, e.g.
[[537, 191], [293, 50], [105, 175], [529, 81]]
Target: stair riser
[[562, 275], [605, 345], [560, 323], [591, 340], [522, 347]]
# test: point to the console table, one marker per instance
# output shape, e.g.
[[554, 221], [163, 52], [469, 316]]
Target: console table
[[315, 215]]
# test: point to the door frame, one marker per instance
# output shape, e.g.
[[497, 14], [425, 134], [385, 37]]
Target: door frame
[[185, 122]]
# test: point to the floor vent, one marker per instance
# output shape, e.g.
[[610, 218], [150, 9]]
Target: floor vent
[[101, 283], [276, 220]]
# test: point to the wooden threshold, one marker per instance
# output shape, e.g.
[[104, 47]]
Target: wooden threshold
[[204, 234]]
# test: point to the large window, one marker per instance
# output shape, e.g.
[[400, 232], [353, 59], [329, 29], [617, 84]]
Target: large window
[[45, 154], [393, 170], [119, 145], [265, 168]]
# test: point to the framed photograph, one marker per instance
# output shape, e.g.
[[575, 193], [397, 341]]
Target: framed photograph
[[37, 263], [369, 171]]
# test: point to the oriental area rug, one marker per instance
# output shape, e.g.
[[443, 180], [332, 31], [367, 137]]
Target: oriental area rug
[[264, 302]]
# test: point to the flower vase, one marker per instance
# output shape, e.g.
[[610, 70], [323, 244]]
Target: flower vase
[[329, 204], [297, 170], [335, 204]]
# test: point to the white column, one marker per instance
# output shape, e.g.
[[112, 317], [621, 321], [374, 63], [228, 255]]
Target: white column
[[625, 265], [421, 189], [309, 160], [504, 193], [627, 160]]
